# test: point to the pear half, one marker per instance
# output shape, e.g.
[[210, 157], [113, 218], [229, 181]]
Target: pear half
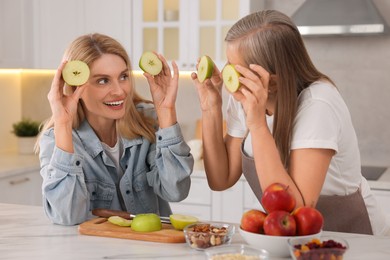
[[75, 73], [150, 63], [205, 68], [230, 78]]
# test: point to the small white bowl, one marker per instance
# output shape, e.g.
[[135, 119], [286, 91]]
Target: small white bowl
[[276, 246]]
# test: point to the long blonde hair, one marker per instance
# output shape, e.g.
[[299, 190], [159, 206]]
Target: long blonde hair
[[89, 48], [269, 38]]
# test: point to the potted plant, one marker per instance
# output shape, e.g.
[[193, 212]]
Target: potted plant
[[26, 130]]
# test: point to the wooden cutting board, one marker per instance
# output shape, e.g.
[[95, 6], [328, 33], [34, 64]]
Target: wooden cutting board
[[101, 227]]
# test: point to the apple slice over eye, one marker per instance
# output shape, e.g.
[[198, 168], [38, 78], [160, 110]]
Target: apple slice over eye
[[75, 73], [150, 63], [205, 68], [230, 78]]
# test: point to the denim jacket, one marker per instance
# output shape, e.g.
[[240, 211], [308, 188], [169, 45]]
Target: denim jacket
[[76, 183]]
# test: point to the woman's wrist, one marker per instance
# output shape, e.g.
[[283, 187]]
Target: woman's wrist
[[166, 117]]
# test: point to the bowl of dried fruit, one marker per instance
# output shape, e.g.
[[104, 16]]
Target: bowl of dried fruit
[[326, 248], [203, 235]]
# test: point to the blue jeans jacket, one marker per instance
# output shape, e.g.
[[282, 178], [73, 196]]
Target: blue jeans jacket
[[76, 183]]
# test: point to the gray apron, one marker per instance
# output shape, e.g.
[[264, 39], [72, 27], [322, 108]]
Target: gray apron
[[341, 213]]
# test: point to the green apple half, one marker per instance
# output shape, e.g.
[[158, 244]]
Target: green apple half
[[75, 73], [146, 222], [230, 78], [119, 221], [205, 68], [179, 221], [150, 63]]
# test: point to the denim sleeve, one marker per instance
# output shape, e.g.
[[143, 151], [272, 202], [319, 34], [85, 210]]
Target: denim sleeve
[[65, 196], [171, 165]]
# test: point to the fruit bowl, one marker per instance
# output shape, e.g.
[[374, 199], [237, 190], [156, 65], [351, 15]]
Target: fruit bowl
[[324, 248], [277, 246], [203, 235], [237, 251]]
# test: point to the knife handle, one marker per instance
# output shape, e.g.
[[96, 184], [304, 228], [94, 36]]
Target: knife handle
[[106, 213]]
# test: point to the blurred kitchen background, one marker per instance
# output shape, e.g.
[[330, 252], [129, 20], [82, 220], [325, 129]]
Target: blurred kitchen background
[[34, 34]]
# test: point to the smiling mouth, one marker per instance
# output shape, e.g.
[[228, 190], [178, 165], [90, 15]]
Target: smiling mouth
[[114, 104]]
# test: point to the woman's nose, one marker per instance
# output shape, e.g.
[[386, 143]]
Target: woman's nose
[[117, 88]]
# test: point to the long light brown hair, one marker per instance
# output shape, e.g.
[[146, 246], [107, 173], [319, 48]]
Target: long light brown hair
[[269, 38], [89, 48]]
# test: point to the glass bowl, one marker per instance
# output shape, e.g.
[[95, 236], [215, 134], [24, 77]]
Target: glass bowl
[[237, 251], [326, 248], [203, 235]]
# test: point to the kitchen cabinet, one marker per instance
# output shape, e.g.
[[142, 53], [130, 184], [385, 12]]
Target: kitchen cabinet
[[58, 22], [16, 35], [185, 30], [227, 205], [22, 188]]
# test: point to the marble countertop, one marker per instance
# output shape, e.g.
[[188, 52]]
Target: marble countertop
[[26, 233]]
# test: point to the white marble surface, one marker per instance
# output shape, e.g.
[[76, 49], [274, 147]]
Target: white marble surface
[[26, 233]]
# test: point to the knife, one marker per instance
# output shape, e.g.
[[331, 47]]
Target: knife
[[106, 213]]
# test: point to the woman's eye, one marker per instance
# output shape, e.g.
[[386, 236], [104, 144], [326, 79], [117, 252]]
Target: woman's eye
[[124, 77], [103, 81]]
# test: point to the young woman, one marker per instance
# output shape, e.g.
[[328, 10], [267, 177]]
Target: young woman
[[106, 147], [287, 123]]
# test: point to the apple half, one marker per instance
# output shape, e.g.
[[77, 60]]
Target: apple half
[[230, 78], [205, 68], [147, 222], [179, 221], [75, 73], [150, 63]]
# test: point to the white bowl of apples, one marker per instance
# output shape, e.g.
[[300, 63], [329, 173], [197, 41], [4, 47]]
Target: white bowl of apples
[[272, 230]]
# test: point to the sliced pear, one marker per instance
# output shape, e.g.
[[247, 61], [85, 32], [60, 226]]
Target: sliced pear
[[179, 221], [116, 220], [146, 222], [230, 78], [205, 68], [150, 63], [76, 73]]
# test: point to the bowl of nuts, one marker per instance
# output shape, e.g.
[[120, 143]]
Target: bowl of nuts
[[203, 235]]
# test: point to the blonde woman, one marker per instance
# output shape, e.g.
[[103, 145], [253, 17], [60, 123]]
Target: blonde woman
[[105, 146], [287, 123]]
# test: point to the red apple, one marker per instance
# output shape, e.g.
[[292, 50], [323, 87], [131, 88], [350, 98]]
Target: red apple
[[253, 220], [277, 196], [279, 223], [309, 220]]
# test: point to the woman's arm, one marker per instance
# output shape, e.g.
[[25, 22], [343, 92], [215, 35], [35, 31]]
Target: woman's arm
[[221, 155], [65, 196], [163, 88]]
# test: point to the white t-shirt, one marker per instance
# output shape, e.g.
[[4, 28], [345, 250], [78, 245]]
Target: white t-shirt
[[322, 121]]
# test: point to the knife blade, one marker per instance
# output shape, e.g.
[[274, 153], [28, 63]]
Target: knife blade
[[106, 213]]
